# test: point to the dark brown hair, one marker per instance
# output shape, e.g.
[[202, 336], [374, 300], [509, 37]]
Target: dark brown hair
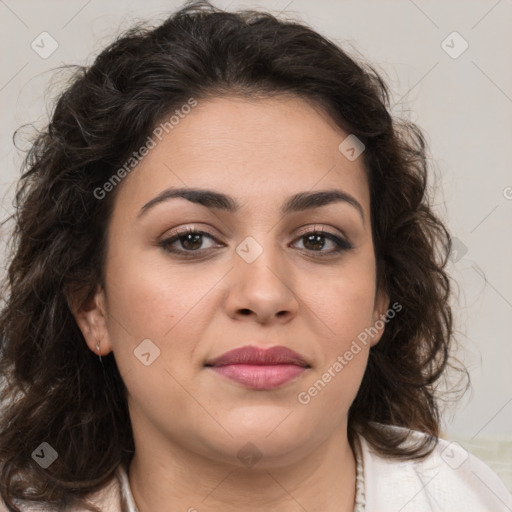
[[55, 387]]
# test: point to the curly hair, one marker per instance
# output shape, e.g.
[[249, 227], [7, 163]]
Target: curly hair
[[53, 384]]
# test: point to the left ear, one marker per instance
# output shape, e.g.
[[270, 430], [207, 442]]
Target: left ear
[[380, 309]]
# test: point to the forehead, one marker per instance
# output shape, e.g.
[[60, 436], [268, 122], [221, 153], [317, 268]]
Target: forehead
[[249, 148]]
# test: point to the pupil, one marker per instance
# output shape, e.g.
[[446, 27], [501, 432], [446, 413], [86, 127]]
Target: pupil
[[316, 240], [190, 240]]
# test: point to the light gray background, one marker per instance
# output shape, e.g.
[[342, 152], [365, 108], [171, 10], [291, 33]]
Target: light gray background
[[463, 104]]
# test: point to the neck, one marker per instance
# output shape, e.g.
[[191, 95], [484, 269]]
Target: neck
[[175, 478]]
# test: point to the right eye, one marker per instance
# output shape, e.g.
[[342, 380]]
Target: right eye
[[188, 240]]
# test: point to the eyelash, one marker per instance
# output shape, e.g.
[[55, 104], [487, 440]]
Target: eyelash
[[342, 245]]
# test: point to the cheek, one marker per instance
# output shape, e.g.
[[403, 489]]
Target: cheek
[[344, 302], [171, 305], [154, 297], [346, 312]]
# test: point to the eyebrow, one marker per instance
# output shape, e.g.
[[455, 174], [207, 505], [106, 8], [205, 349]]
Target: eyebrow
[[216, 200]]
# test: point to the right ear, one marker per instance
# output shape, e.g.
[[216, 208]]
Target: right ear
[[91, 317]]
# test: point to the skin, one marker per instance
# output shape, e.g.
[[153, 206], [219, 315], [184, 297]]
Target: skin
[[190, 423]]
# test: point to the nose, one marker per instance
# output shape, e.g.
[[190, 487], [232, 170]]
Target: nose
[[262, 290]]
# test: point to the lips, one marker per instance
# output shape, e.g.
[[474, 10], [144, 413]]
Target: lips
[[259, 368], [259, 356]]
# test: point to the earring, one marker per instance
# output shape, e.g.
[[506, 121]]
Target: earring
[[98, 349]]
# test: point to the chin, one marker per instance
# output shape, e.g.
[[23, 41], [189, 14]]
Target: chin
[[260, 447]]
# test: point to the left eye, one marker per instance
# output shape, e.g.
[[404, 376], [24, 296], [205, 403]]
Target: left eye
[[316, 241]]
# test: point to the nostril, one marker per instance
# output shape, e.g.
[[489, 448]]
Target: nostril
[[245, 311]]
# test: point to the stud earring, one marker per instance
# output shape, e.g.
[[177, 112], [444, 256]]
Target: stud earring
[[98, 350]]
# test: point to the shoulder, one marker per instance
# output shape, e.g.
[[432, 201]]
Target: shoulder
[[449, 479]]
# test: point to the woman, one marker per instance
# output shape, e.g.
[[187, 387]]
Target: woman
[[228, 289]]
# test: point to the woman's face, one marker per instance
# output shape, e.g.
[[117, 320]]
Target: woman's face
[[259, 275]]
